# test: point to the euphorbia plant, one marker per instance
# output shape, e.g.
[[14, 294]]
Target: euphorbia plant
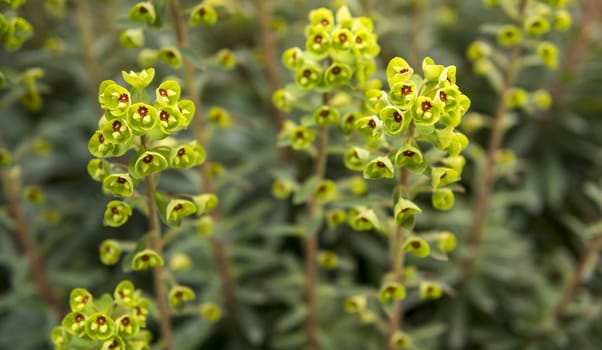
[[142, 129], [406, 132]]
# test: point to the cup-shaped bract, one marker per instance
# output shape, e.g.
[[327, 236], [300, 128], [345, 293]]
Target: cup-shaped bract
[[149, 163], [446, 241], [391, 291], [282, 188], [186, 156], [308, 76], [143, 12], [431, 71], [117, 213], [430, 290], [125, 293], [132, 38], [302, 137], [119, 184], [417, 246], [114, 343], [117, 132], [145, 259], [139, 80], [168, 93], [509, 35], [114, 97], [370, 126], [363, 219], [356, 158], [177, 209], [355, 304], [18, 30], [318, 43], [441, 176], [169, 118], [321, 19], [283, 100], [326, 191], [80, 299], [405, 210], [379, 168], [426, 111], [548, 53], [205, 202], [411, 158], [203, 14], [403, 94], [443, 199], [75, 323], [400, 340], [537, 25], [98, 169], [210, 311], [99, 326], [337, 74], [187, 110], [342, 39], [292, 58], [179, 295], [219, 117], [394, 120], [60, 338], [127, 326], [170, 56], [326, 115], [328, 259], [348, 122], [142, 117], [110, 252], [98, 145], [398, 71]]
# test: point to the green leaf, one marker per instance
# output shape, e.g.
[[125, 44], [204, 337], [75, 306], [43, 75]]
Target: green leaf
[[306, 190]]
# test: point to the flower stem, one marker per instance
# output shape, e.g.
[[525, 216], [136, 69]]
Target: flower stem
[[481, 205], [218, 246], [311, 242], [157, 246], [573, 287], [398, 255], [21, 232]]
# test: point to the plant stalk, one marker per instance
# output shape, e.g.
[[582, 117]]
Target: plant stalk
[[157, 246], [22, 235], [398, 258], [312, 244], [481, 205], [86, 32], [218, 245], [573, 287]]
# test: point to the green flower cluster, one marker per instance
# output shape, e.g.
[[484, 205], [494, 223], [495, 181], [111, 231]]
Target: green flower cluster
[[539, 19], [110, 322], [130, 122]]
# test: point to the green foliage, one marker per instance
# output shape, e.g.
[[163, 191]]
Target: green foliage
[[264, 125]]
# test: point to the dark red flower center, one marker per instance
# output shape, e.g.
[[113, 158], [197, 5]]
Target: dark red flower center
[[372, 124], [380, 164], [426, 106], [342, 37], [397, 117], [408, 153], [145, 257], [143, 111], [101, 320], [114, 344], [148, 158], [358, 40], [85, 299], [318, 39], [121, 180], [202, 11], [336, 70], [124, 98], [443, 96], [125, 322], [117, 126], [416, 244], [178, 206], [164, 116], [406, 90], [404, 70], [325, 22], [114, 210], [79, 318], [181, 152], [101, 139], [163, 92], [324, 113], [300, 134], [143, 10], [307, 73]]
